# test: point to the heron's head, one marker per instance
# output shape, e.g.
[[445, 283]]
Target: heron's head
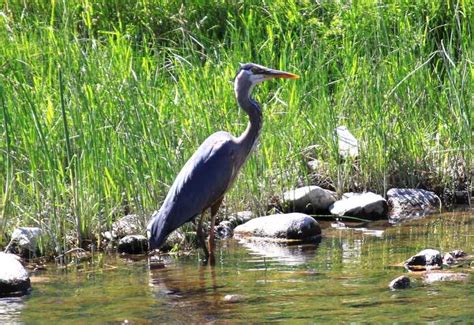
[[251, 74], [157, 231]]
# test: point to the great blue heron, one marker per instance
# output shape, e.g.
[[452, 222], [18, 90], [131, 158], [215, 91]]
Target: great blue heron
[[212, 169]]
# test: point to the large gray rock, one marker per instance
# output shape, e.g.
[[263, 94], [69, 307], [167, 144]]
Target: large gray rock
[[25, 241], [408, 203], [133, 244], [425, 259], [365, 205], [225, 229], [291, 226], [308, 199], [14, 279]]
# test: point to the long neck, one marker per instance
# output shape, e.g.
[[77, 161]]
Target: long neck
[[249, 138]]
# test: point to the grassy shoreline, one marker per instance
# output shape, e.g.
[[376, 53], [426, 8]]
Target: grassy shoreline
[[102, 102]]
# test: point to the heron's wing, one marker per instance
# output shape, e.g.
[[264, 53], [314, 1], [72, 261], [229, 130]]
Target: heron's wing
[[201, 182]]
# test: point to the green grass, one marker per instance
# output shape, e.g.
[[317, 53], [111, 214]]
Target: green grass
[[103, 101]]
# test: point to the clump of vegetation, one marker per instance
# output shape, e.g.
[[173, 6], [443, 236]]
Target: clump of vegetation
[[103, 101]]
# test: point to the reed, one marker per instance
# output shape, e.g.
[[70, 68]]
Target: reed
[[103, 101]]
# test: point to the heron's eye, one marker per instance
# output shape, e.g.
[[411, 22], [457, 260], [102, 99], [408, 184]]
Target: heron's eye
[[256, 70]]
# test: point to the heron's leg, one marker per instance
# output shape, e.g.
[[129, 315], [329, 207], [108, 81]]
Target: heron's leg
[[200, 234], [214, 209]]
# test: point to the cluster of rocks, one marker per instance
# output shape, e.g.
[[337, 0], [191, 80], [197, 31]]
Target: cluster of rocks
[[431, 264], [401, 204], [225, 229], [25, 243], [127, 234]]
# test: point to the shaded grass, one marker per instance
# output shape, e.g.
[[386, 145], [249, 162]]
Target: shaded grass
[[103, 102]]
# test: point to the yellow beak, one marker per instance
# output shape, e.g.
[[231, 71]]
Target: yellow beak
[[281, 74]]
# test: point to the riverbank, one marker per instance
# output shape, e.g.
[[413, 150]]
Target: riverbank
[[342, 279]]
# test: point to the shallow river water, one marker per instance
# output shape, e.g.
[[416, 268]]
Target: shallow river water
[[344, 278]]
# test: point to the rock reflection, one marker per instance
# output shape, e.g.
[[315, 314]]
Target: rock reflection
[[10, 310], [351, 251], [280, 253]]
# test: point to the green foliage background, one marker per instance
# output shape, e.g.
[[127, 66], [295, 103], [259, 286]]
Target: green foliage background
[[103, 101]]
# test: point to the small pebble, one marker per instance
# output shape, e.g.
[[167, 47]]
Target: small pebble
[[234, 298], [402, 282]]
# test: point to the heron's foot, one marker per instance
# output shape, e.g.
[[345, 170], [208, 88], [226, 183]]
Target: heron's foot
[[209, 259], [205, 259]]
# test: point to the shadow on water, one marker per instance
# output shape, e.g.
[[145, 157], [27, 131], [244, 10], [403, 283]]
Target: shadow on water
[[342, 278]]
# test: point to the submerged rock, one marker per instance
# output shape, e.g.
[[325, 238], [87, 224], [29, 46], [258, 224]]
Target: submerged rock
[[25, 241], [14, 279], [308, 199], [291, 226], [402, 282], [225, 229], [133, 244], [365, 205], [410, 204], [431, 277], [426, 259]]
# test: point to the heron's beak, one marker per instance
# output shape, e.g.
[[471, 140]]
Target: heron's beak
[[281, 74]]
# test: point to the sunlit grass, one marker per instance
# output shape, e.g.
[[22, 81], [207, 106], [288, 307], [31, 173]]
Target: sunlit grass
[[103, 103]]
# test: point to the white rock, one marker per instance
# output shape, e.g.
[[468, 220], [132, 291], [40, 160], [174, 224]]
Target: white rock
[[13, 276], [309, 198], [425, 259], [348, 144], [24, 241], [233, 298], [366, 205]]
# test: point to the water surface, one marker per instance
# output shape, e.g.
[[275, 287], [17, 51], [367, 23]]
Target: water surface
[[343, 278]]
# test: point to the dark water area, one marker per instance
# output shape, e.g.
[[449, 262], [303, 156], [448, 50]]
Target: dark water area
[[344, 278]]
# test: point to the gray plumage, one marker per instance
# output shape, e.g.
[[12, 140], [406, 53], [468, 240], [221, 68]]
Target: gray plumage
[[212, 169]]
